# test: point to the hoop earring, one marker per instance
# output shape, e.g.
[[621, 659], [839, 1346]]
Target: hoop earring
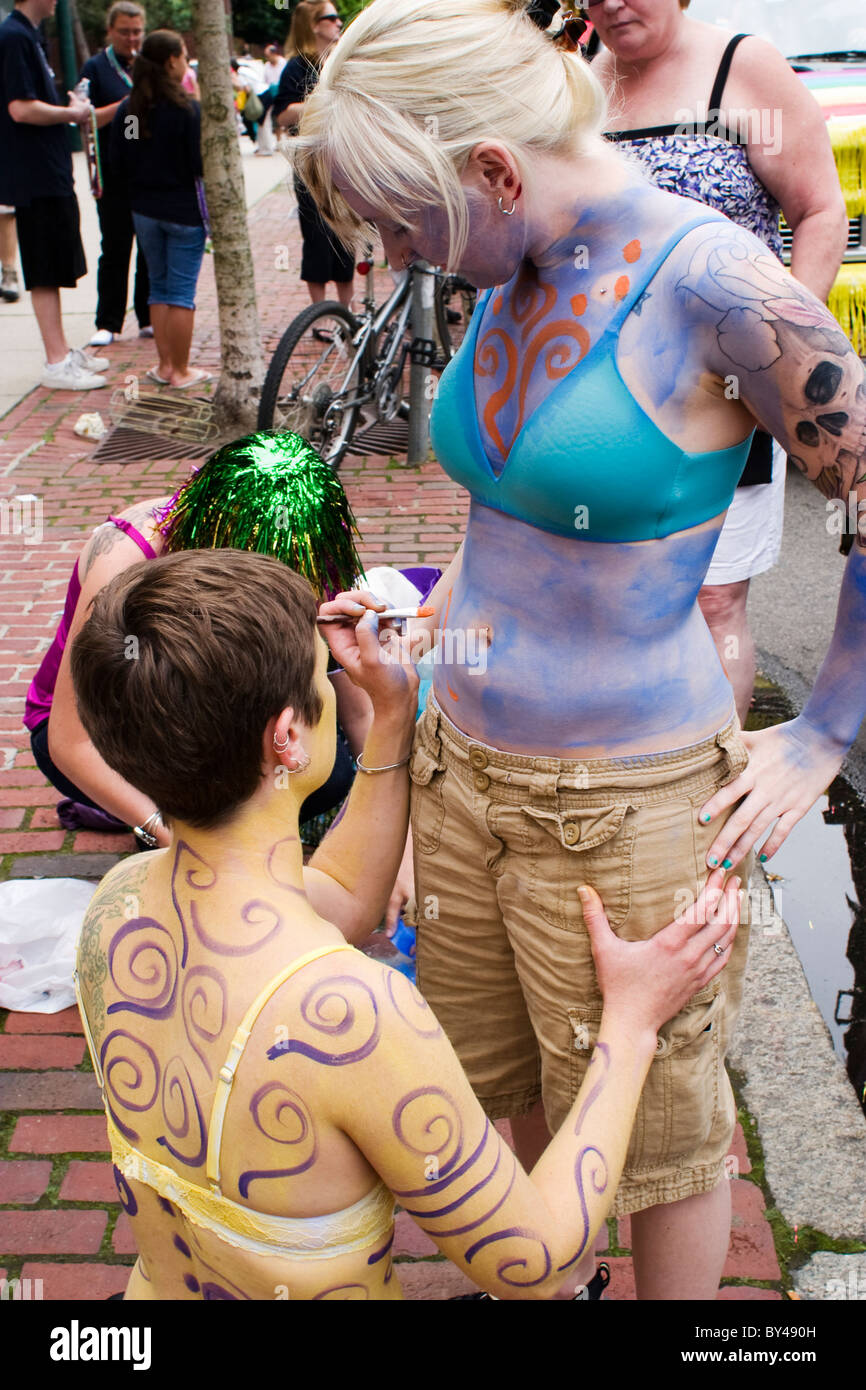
[[508, 212], [300, 766], [280, 747]]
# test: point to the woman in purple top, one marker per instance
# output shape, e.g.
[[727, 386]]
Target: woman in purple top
[[61, 747], [50, 711]]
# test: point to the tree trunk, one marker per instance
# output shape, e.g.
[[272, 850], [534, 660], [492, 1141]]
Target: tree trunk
[[242, 371], [81, 46]]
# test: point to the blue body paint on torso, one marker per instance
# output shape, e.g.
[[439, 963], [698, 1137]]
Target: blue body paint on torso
[[596, 649]]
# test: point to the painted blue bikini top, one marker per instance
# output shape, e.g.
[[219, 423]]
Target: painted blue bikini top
[[588, 444]]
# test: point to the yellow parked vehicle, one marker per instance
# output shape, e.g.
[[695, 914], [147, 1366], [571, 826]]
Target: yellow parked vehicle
[[826, 45]]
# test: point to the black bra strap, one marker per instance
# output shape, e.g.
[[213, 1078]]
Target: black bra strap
[[722, 74]]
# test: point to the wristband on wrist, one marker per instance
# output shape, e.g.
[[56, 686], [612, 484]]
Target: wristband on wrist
[[389, 767], [145, 831]]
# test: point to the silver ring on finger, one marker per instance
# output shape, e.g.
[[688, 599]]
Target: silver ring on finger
[[719, 950]]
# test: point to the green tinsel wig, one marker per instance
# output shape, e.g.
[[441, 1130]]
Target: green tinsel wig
[[269, 492]]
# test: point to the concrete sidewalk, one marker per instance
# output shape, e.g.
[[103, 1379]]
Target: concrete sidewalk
[[60, 1219], [21, 353]]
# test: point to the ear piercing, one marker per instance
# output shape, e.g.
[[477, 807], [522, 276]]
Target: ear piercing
[[508, 212], [301, 764]]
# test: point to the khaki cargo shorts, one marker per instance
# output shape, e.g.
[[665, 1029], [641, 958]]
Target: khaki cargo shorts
[[501, 844]]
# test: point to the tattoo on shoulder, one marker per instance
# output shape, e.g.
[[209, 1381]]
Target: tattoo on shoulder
[[763, 316], [118, 898], [104, 539]]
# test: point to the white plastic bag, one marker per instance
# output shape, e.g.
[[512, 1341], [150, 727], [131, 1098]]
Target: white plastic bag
[[40, 920], [390, 586]]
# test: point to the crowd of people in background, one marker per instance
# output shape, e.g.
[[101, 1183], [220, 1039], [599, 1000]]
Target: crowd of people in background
[[598, 768], [139, 98]]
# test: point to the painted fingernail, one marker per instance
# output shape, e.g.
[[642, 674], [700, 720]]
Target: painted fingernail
[[762, 858], [706, 817], [713, 861], [726, 863]]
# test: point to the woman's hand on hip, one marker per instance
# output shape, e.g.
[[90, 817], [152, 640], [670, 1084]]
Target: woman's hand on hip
[[789, 767], [647, 982]]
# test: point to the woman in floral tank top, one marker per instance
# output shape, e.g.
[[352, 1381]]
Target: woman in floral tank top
[[723, 119]]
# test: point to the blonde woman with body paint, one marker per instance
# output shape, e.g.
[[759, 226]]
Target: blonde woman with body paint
[[270, 1090], [599, 413]]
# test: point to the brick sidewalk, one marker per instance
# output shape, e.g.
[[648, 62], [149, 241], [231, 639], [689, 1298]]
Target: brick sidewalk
[[60, 1220]]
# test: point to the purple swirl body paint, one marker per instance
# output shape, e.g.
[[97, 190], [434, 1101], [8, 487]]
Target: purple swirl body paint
[[410, 1002], [203, 1005], [315, 1001], [149, 962], [175, 1083], [515, 1233], [285, 1108], [129, 1077]]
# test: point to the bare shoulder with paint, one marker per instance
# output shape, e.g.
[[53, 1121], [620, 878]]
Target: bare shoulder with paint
[[784, 353]]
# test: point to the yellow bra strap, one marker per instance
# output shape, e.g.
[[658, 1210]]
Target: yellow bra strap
[[239, 1042]]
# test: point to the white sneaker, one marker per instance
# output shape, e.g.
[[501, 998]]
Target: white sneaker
[[70, 375], [146, 332], [90, 364], [101, 338]]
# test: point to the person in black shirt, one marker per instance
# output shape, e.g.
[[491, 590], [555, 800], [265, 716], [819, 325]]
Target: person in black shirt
[[155, 150], [315, 27], [36, 179], [110, 76]]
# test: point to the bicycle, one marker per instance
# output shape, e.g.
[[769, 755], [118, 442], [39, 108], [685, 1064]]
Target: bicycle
[[330, 363]]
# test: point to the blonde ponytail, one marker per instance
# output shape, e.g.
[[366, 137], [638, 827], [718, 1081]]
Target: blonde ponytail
[[414, 85]]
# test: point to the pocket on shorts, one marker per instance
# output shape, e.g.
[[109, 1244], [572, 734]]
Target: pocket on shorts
[[427, 775], [681, 1096], [566, 848]]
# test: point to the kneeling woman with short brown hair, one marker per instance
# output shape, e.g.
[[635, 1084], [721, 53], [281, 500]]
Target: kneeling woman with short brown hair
[[269, 1089]]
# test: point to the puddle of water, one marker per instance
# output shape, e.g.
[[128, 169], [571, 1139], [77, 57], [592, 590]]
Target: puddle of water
[[821, 894]]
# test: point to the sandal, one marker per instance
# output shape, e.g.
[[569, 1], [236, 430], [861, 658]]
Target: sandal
[[196, 381], [153, 375], [596, 1286], [591, 1292]]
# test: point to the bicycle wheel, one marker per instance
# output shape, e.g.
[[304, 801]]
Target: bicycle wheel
[[454, 303], [314, 381]]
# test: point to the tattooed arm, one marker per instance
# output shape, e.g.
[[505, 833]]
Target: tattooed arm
[[799, 376], [107, 553], [515, 1236], [116, 898]]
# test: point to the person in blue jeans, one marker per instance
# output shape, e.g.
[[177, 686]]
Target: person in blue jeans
[[156, 148]]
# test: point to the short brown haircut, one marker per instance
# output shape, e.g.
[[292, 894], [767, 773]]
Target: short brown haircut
[[179, 667], [125, 8]]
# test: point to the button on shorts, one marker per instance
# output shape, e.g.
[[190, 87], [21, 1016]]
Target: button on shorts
[[502, 842]]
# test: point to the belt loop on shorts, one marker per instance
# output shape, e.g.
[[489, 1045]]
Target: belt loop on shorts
[[543, 784], [430, 719], [730, 741]]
